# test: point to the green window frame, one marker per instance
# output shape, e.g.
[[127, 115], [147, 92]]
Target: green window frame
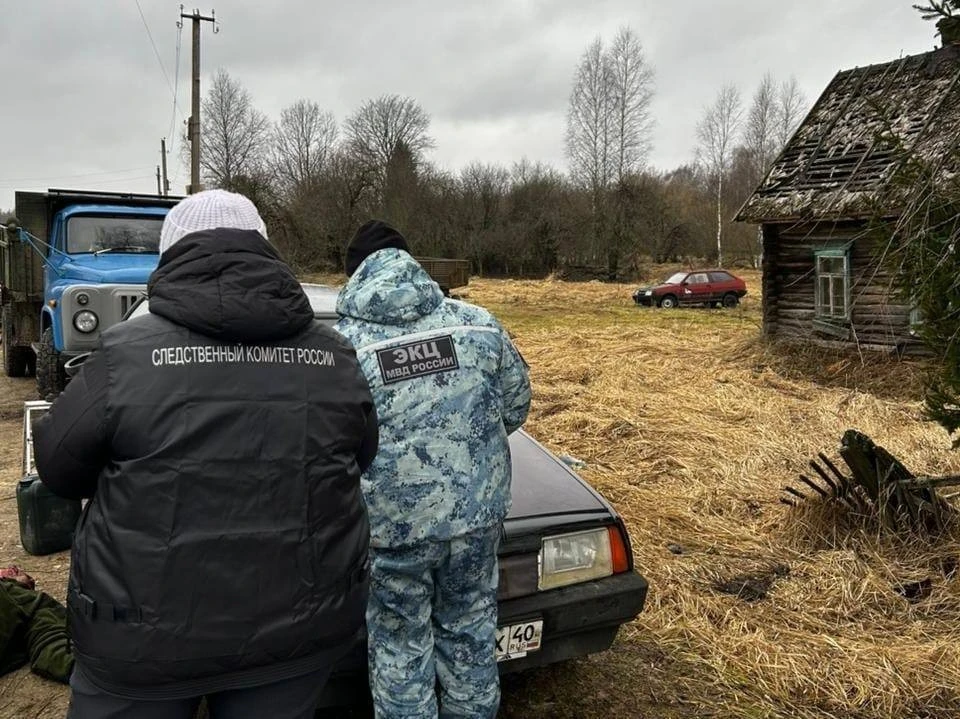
[[832, 289]]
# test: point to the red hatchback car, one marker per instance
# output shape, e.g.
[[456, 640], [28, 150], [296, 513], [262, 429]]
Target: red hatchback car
[[700, 287]]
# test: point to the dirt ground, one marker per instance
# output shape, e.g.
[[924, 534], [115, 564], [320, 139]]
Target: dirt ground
[[690, 426]]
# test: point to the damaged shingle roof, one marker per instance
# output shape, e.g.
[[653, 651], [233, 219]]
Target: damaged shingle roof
[[847, 147]]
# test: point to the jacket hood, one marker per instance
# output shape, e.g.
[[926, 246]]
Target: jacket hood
[[230, 285], [389, 287]]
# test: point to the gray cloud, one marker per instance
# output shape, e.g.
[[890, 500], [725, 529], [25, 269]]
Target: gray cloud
[[87, 103]]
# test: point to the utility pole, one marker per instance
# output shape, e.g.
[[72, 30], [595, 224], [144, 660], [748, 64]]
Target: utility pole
[[194, 128], [158, 180], [163, 159]]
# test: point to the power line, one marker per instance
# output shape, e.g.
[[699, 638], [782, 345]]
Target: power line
[[51, 178], [176, 82], [125, 179], [155, 51], [175, 138]]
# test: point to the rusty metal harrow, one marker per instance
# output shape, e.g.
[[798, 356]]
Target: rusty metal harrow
[[878, 485]]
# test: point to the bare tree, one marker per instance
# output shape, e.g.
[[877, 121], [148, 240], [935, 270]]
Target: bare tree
[[632, 79], [760, 135], [376, 130], [484, 188], [590, 132], [791, 107], [590, 120], [760, 131], [716, 132], [401, 186], [303, 140], [235, 133], [608, 133]]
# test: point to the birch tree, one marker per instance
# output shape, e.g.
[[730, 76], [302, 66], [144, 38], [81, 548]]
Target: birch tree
[[608, 130], [791, 107], [590, 122], [589, 141], [760, 136], [716, 133], [761, 128], [632, 78]]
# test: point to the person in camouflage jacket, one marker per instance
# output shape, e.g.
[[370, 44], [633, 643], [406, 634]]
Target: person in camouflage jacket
[[33, 629], [449, 387]]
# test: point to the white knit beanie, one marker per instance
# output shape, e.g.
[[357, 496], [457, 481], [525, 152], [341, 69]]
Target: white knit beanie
[[209, 210]]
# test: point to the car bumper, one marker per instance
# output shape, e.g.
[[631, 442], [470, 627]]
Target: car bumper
[[577, 620], [645, 300]]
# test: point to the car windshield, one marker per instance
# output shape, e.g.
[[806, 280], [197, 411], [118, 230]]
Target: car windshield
[[675, 279], [87, 233]]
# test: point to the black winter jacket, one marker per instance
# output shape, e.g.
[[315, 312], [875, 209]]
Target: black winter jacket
[[221, 438]]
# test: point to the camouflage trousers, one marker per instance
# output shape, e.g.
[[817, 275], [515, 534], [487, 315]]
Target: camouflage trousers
[[432, 616]]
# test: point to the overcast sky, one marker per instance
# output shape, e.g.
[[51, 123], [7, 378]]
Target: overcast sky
[[86, 101]]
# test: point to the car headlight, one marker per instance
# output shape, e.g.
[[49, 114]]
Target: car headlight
[[648, 293], [573, 558], [86, 321], [83, 299]]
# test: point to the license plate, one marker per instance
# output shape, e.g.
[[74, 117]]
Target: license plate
[[516, 640]]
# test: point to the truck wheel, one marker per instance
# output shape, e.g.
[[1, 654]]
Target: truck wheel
[[15, 359], [51, 378]]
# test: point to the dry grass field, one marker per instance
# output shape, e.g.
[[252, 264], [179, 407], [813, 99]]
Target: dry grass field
[[690, 425]]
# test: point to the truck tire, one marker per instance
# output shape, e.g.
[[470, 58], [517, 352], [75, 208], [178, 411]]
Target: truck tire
[[15, 359], [51, 378]]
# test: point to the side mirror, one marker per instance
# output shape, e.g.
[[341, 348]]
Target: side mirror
[[73, 366]]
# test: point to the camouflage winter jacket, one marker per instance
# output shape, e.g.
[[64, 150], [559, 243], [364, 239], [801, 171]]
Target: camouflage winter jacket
[[449, 386], [33, 630]]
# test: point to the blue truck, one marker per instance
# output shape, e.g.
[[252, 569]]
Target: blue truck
[[72, 263]]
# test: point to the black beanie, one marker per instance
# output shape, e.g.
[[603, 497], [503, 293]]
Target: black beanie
[[372, 236]]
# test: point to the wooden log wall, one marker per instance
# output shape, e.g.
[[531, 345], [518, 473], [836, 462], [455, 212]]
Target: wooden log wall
[[878, 320]]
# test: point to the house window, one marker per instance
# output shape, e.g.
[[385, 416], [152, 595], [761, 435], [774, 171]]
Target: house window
[[833, 284]]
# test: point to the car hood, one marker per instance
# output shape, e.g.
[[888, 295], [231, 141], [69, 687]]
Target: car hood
[[543, 485], [116, 267], [656, 287]]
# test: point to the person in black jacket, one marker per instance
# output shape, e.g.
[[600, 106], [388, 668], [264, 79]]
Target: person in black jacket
[[220, 438]]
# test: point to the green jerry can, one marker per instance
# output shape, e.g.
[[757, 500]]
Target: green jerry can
[[47, 522]]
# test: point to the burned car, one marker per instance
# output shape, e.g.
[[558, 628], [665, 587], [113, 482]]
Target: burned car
[[566, 573]]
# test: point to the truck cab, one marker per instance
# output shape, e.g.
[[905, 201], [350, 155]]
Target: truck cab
[[72, 264]]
